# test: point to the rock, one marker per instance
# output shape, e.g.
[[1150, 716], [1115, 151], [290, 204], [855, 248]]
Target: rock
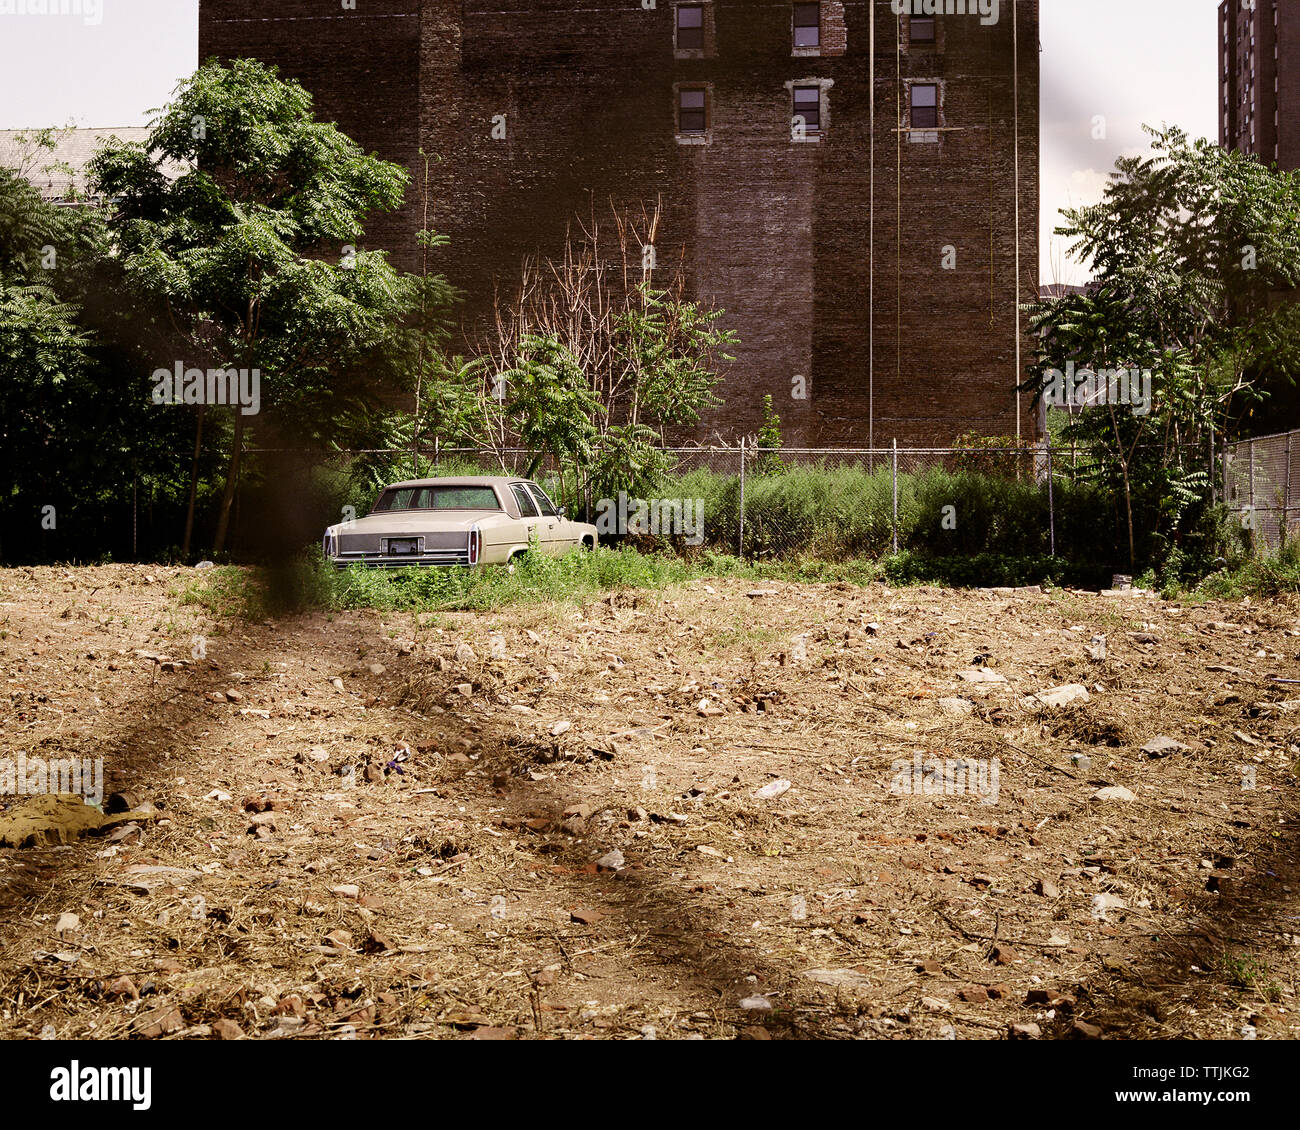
[[67, 924], [203, 566], [713, 852], [755, 594], [1064, 696], [934, 1004], [1047, 889], [981, 675], [957, 707], [160, 1022], [841, 978], [611, 861], [466, 689], [374, 774], [122, 987], [346, 891], [1104, 901], [224, 1029], [1163, 746], [636, 815], [1114, 793], [217, 696], [773, 789], [587, 917], [756, 1003], [337, 684], [559, 728], [1028, 1031], [340, 939], [1004, 955], [1081, 1030], [974, 994], [708, 709], [465, 654], [234, 696], [376, 668]]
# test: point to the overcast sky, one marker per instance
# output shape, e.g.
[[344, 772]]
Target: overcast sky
[[1131, 61]]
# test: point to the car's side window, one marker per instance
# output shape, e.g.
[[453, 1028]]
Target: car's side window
[[400, 500], [547, 507], [527, 507]]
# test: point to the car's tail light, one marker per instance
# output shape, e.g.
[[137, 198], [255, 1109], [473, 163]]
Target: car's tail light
[[475, 545]]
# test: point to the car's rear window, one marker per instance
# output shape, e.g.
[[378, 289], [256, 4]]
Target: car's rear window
[[438, 498]]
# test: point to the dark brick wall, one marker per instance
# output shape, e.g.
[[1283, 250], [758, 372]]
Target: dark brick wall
[[775, 231]]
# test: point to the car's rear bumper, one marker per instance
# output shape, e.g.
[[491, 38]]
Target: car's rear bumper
[[449, 560]]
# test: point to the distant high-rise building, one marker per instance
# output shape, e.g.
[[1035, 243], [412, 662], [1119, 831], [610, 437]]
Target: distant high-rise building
[[1259, 79]]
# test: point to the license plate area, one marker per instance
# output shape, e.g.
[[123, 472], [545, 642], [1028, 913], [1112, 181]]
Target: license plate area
[[404, 547]]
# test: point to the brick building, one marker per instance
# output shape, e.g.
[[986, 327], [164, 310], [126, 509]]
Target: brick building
[[844, 186], [1259, 79]]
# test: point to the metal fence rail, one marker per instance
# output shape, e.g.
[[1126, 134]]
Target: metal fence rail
[[829, 503]]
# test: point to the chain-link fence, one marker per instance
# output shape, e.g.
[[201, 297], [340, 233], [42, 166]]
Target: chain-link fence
[[1261, 480], [831, 504]]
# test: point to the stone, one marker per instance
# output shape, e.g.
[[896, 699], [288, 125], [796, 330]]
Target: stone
[[841, 978], [611, 861], [1030, 1031], [974, 994], [773, 789], [1163, 746], [1081, 1030], [465, 654], [1047, 889], [981, 675], [1064, 696], [957, 707], [1114, 793]]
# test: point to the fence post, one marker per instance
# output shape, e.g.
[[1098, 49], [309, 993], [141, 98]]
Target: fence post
[[1286, 497], [1251, 501], [740, 548], [1051, 499], [895, 478]]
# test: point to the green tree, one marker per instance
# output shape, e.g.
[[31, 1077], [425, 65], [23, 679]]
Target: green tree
[[255, 249], [1186, 246]]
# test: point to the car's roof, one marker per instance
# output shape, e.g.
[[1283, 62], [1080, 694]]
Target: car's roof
[[466, 481]]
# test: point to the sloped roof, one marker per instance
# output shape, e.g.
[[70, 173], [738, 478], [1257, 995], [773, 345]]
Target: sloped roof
[[72, 147]]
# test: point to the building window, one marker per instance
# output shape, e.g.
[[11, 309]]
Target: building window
[[921, 30], [692, 110], [808, 108], [925, 106], [807, 25], [690, 27]]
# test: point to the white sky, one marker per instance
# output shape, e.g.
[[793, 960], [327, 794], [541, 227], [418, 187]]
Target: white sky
[[1133, 61]]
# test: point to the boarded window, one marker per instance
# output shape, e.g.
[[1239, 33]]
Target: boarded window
[[692, 111], [925, 106], [808, 106], [807, 25], [921, 30], [690, 27]]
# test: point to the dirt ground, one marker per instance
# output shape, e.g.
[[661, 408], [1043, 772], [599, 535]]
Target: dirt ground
[[574, 822]]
